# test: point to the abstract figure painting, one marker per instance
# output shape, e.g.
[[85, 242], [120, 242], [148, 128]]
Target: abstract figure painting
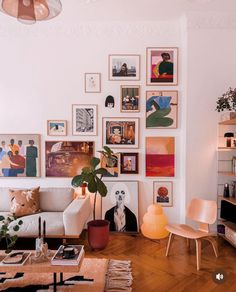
[[121, 132], [130, 98], [160, 156], [110, 165], [67, 158], [120, 206], [92, 82], [19, 155], [162, 66], [163, 193], [161, 109]]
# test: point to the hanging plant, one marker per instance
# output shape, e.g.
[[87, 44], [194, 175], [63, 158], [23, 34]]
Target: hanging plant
[[227, 101]]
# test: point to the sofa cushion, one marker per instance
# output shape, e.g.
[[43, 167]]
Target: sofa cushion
[[55, 199], [54, 224], [4, 200], [24, 202]]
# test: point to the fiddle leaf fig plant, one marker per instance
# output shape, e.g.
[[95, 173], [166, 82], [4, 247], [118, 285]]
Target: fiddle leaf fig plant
[[5, 231], [93, 175]]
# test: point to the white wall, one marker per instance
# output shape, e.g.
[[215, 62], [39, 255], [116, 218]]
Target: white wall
[[42, 75]]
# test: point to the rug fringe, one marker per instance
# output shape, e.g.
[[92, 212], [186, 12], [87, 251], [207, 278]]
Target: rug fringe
[[119, 276]]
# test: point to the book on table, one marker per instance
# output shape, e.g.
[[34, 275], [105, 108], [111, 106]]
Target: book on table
[[68, 255], [16, 258]]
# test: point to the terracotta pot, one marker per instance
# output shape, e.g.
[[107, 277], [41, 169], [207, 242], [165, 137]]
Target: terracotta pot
[[98, 234]]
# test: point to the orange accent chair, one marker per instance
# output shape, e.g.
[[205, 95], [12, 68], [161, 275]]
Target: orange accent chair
[[204, 212]]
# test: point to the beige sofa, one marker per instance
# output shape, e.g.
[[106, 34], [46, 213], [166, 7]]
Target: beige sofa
[[65, 217]]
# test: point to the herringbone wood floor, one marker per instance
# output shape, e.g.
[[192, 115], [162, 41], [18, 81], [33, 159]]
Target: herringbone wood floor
[[152, 271]]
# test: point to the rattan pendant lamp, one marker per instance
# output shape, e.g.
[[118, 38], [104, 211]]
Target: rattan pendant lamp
[[30, 11]]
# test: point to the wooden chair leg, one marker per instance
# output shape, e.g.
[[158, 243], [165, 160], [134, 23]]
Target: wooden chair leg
[[170, 240], [214, 245], [188, 243], [198, 252]]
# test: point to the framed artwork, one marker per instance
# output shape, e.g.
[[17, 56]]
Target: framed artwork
[[163, 193], [57, 128], [160, 156], [20, 155], [162, 109], [111, 165], [120, 206], [124, 67], [129, 99], [84, 119], [129, 163], [92, 82], [121, 132], [162, 66], [67, 158]]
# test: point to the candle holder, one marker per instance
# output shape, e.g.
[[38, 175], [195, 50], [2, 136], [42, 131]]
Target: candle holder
[[42, 254]]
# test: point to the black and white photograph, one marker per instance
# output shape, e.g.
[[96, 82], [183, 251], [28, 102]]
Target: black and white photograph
[[124, 67], [84, 120], [130, 98], [120, 206]]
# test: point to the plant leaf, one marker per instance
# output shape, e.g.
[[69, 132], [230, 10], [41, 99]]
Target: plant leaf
[[77, 180], [92, 186], [16, 228], [94, 162], [102, 189], [2, 218], [108, 150], [101, 171]]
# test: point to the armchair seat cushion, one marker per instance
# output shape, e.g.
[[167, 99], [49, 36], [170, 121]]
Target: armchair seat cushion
[[186, 231]]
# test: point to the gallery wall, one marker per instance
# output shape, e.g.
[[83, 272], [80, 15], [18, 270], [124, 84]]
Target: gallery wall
[[42, 75]]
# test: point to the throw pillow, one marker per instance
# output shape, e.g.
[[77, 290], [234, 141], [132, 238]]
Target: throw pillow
[[24, 202]]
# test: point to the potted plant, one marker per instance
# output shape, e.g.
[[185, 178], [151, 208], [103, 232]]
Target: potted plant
[[98, 230], [227, 101], [5, 231]]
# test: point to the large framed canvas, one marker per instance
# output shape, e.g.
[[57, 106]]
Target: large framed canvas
[[160, 156], [92, 82], [84, 119], [162, 66], [120, 206], [162, 109], [130, 95], [163, 193], [112, 166], [67, 158], [20, 155], [121, 132], [57, 128], [129, 163], [124, 67]]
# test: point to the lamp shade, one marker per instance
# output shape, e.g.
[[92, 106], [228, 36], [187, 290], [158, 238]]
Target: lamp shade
[[154, 222], [229, 135], [30, 11]]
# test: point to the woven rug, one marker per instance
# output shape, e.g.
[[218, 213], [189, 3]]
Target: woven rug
[[107, 275]]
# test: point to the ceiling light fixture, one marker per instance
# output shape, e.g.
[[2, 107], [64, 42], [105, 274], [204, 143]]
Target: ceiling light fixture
[[30, 11]]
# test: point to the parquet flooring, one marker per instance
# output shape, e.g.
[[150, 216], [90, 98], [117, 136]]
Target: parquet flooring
[[153, 271]]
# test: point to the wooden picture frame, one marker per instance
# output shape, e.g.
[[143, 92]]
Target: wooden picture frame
[[161, 109], [162, 66], [92, 82], [130, 98], [84, 120], [163, 193], [124, 67], [120, 132], [129, 163], [56, 127]]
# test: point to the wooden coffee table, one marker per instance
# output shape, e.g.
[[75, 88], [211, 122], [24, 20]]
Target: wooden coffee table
[[44, 267]]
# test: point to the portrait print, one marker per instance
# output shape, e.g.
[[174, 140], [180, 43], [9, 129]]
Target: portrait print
[[120, 206], [92, 82], [121, 132], [129, 163], [124, 67], [162, 66], [130, 98], [84, 120], [161, 109], [163, 193], [19, 155], [56, 128], [67, 158]]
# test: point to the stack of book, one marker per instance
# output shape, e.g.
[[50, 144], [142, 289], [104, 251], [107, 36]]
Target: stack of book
[[68, 255]]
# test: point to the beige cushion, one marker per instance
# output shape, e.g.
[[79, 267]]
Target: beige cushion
[[4, 200], [55, 199], [24, 202]]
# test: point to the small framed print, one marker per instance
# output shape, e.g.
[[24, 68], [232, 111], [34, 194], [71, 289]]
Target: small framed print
[[84, 120], [129, 99], [162, 66], [163, 193], [124, 67], [121, 132], [111, 166], [162, 109], [92, 82], [57, 127], [129, 163]]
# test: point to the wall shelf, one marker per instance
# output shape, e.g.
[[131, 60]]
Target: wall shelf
[[228, 122], [230, 200], [228, 148], [227, 173]]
